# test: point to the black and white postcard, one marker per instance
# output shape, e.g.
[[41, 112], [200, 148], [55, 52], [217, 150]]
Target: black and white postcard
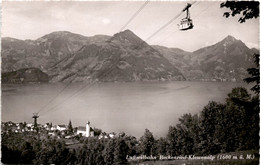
[[130, 82]]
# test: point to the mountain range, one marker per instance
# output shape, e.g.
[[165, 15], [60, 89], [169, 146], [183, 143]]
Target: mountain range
[[69, 57]]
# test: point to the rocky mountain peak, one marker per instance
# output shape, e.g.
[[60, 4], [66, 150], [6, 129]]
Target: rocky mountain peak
[[61, 35], [57, 34], [77, 57], [127, 37], [229, 40]]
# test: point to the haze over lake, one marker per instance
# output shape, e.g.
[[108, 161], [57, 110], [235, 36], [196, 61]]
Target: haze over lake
[[112, 107]]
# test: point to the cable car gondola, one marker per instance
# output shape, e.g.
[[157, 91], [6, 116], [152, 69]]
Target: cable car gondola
[[186, 23]]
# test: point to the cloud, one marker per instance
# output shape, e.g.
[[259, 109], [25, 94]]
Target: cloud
[[58, 15], [106, 21]]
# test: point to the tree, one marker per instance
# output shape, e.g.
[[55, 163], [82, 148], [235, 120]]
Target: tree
[[92, 151], [97, 131], [132, 145], [121, 150], [161, 146], [253, 124], [249, 9], [237, 126], [187, 130], [172, 141], [242, 113], [183, 139], [52, 152], [50, 126], [27, 154], [254, 78], [146, 143], [238, 95], [109, 152], [208, 122], [10, 156], [70, 128]]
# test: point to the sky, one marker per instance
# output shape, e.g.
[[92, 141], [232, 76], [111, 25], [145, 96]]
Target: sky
[[34, 19]]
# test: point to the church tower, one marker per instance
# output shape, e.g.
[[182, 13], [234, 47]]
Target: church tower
[[88, 129]]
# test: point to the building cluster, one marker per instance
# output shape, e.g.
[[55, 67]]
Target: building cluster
[[53, 130], [16, 127]]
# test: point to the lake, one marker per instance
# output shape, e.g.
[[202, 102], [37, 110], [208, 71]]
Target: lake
[[112, 107]]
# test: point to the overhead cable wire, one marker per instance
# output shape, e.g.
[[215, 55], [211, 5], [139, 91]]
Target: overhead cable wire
[[135, 14], [55, 96], [104, 73], [114, 64], [64, 88], [168, 34], [196, 16], [204, 9], [165, 25]]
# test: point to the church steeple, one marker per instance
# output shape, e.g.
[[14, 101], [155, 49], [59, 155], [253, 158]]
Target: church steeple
[[88, 129]]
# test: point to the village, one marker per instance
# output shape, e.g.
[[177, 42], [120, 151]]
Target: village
[[57, 131]]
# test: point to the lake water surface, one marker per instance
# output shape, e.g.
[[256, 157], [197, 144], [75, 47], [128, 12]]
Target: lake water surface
[[112, 107]]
